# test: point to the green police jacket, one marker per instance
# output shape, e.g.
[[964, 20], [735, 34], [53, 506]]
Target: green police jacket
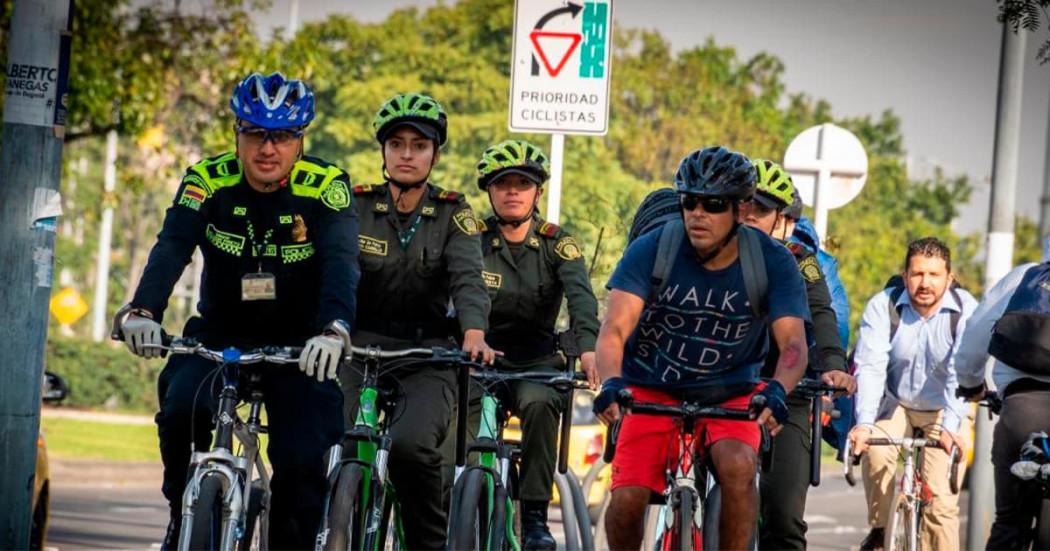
[[527, 293], [405, 290]]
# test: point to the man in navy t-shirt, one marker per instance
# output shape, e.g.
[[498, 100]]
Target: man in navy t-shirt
[[698, 339]]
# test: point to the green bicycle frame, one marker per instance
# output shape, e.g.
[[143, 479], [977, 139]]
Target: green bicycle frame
[[493, 463], [373, 459]]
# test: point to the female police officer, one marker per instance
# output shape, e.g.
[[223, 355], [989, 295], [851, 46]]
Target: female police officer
[[419, 248], [529, 266]]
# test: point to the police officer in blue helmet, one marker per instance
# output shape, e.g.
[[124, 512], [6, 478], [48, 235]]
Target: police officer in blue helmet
[[278, 236]]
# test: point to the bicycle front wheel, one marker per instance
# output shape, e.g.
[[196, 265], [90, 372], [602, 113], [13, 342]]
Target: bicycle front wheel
[[469, 526], [902, 529], [345, 511], [207, 515], [683, 535]]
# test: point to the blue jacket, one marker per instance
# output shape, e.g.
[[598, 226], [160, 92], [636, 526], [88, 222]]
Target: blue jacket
[[806, 234]]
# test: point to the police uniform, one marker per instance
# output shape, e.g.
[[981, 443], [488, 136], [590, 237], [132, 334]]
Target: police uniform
[[299, 243], [411, 266], [526, 282], [784, 487]]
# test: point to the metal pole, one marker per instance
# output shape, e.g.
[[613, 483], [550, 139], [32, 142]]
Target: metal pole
[[554, 189], [821, 179], [293, 19], [105, 241], [30, 171], [1044, 213], [998, 258]]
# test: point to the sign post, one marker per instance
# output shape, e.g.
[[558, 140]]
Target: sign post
[[829, 166], [560, 81]]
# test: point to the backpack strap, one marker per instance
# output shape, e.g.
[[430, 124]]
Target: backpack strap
[[895, 314], [753, 266], [957, 315], [666, 252]]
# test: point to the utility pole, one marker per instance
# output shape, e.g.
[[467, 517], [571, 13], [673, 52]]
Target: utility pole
[[999, 251], [1044, 211], [30, 171], [105, 241]]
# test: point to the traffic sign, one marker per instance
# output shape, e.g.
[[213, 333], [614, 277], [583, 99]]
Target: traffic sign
[[829, 166], [560, 66], [67, 306]]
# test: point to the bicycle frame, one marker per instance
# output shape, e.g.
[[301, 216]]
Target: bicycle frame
[[371, 445], [234, 470]]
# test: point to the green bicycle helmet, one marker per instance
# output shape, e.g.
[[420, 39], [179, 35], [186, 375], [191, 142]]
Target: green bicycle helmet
[[513, 157], [774, 187], [419, 111]]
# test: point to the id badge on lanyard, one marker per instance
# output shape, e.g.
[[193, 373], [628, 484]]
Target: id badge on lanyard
[[260, 285]]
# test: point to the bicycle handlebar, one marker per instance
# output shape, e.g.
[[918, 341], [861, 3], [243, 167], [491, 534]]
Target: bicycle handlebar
[[268, 354], [955, 456]]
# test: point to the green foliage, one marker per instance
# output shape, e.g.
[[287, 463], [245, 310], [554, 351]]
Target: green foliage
[[104, 376], [82, 439]]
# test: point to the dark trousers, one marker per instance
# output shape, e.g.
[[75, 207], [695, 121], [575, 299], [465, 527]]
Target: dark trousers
[[420, 425], [539, 409], [1017, 501], [304, 420], [784, 487]]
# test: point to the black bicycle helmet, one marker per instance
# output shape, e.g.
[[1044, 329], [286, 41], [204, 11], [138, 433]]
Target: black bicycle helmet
[[716, 171], [794, 210], [659, 207]]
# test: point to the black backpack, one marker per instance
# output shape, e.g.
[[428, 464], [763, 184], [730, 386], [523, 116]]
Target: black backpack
[[1021, 337], [661, 208]]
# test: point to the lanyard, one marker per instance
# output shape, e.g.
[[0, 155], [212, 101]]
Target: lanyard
[[259, 247], [404, 237]]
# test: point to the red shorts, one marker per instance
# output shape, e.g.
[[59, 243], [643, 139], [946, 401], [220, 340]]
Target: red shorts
[[648, 444]]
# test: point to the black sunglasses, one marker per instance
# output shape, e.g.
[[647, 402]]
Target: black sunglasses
[[256, 136], [713, 205]]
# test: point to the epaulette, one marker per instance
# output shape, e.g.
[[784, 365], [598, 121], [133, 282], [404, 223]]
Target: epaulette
[[483, 225], [798, 249], [365, 189], [447, 196], [215, 172], [548, 229]]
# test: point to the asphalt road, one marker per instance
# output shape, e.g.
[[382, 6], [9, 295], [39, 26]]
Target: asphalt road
[[86, 517]]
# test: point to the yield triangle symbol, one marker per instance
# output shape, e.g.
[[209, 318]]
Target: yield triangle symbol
[[547, 42]]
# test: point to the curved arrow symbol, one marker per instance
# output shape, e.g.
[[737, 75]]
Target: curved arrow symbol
[[570, 8]]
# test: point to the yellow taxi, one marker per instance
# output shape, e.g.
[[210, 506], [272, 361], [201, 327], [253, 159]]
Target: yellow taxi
[[54, 391]]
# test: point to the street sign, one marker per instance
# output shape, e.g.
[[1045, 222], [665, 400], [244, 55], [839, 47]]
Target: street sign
[[829, 166], [67, 306], [560, 66]]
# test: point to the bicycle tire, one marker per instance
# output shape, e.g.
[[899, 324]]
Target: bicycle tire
[[467, 529], [206, 522], [683, 534], [1042, 526], [712, 512], [583, 515], [344, 514], [254, 520], [898, 530], [498, 538]]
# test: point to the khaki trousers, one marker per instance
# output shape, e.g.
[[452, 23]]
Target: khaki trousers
[[940, 518]]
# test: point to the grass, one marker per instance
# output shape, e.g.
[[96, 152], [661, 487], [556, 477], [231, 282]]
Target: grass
[[79, 439]]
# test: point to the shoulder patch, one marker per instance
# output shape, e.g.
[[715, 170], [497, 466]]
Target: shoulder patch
[[810, 269], [336, 196], [567, 248], [465, 221], [548, 229]]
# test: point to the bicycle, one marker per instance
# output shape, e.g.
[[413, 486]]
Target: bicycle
[[482, 512], [361, 508], [912, 493], [226, 502]]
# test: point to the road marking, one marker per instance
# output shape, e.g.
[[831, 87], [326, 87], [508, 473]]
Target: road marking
[[819, 519], [836, 530]]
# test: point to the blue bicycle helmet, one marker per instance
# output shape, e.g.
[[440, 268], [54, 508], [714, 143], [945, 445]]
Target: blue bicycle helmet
[[716, 171], [273, 102]]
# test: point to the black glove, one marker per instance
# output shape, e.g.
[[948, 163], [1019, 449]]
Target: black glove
[[968, 392], [773, 396], [610, 390]]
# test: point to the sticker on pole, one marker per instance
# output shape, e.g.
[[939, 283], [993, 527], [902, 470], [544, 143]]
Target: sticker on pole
[[560, 66], [32, 88]]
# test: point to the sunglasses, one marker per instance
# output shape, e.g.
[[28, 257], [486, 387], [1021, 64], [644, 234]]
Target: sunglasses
[[255, 137], [713, 205]]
